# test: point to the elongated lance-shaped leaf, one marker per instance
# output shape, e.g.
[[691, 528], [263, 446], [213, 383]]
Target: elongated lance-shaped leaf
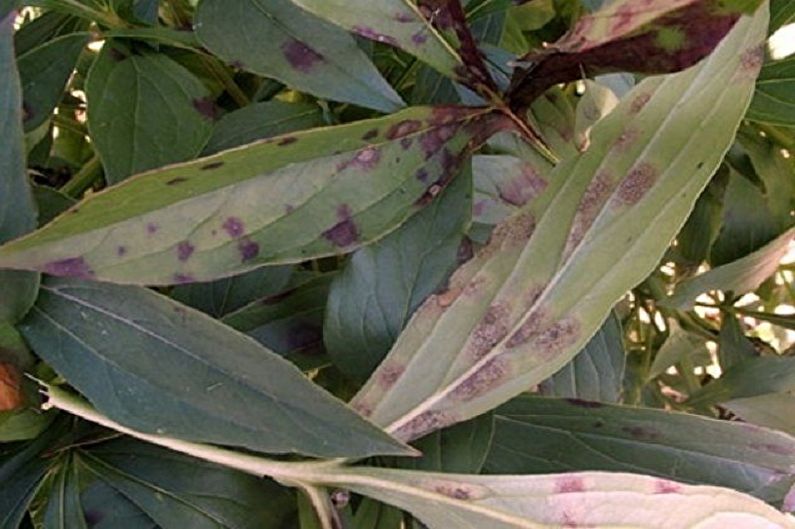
[[17, 208], [279, 40], [651, 37], [163, 368], [285, 199], [589, 499], [522, 308], [435, 31]]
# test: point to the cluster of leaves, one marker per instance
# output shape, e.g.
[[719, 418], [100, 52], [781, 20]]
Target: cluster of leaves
[[547, 274]]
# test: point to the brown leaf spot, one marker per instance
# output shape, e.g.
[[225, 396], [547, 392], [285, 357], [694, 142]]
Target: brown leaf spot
[[184, 250], [519, 190], [752, 59], [344, 232], [152, 228], [71, 267], [121, 251], [207, 108], [637, 183], [639, 102], [403, 128], [664, 486], [11, 396], [425, 423], [234, 227], [486, 378], [300, 56], [248, 249], [457, 491], [175, 181], [419, 38], [584, 403], [626, 140], [287, 140], [568, 484], [212, 165], [466, 251], [491, 329], [434, 139], [641, 433], [405, 17], [366, 159], [389, 374], [370, 134], [514, 231], [369, 33]]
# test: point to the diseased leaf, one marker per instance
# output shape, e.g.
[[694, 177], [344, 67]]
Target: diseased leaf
[[288, 199], [435, 31], [773, 410], [276, 39], [739, 277], [535, 435], [178, 491], [462, 448], [774, 99], [160, 367], [523, 307], [160, 112], [751, 378], [657, 37], [374, 297], [17, 210], [592, 499], [259, 121], [597, 372], [44, 71]]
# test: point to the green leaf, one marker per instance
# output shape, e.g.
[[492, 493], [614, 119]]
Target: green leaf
[[774, 101], [44, 71], [375, 515], [435, 32], [42, 29], [64, 510], [522, 308], [221, 297], [160, 113], [597, 372], [276, 39], [541, 435], [178, 491], [462, 448], [592, 499], [741, 276], [680, 344], [107, 508], [734, 346], [22, 425], [374, 297], [17, 210], [174, 371], [259, 121], [50, 203], [773, 410], [288, 199], [289, 323], [662, 36], [753, 377], [782, 12]]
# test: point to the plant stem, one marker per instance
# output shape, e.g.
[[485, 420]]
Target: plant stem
[[84, 179]]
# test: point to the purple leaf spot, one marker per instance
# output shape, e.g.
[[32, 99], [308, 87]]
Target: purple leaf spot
[[369, 33], [419, 38], [121, 251], [248, 250], [568, 484], [152, 228], [422, 176], [206, 107], [183, 278], [72, 267], [184, 251], [300, 56], [404, 128], [233, 226], [344, 232], [370, 134]]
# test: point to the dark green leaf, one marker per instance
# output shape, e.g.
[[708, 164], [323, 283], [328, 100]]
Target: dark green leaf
[[782, 12], [44, 28], [461, 448], [176, 491], [774, 100], [50, 203], [107, 508], [372, 514], [753, 377], [277, 39], [734, 346], [64, 510], [259, 121], [160, 113], [376, 294], [17, 210], [542, 435], [159, 367], [597, 372], [44, 71]]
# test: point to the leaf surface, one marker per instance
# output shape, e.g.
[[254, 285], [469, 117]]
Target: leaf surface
[[277, 39], [523, 307], [537, 435], [288, 199], [171, 370], [774, 101]]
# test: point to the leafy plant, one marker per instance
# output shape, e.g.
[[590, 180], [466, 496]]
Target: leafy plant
[[396, 264]]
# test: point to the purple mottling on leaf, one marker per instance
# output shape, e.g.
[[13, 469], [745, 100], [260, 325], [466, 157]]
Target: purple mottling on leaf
[[207, 108], [419, 38], [405, 17], [300, 56], [233, 226], [344, 232], [152, 228], [184, 250], [183, 278], [121, 251], [422, 176], [248, 250], [71, 267], [369, 33]]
